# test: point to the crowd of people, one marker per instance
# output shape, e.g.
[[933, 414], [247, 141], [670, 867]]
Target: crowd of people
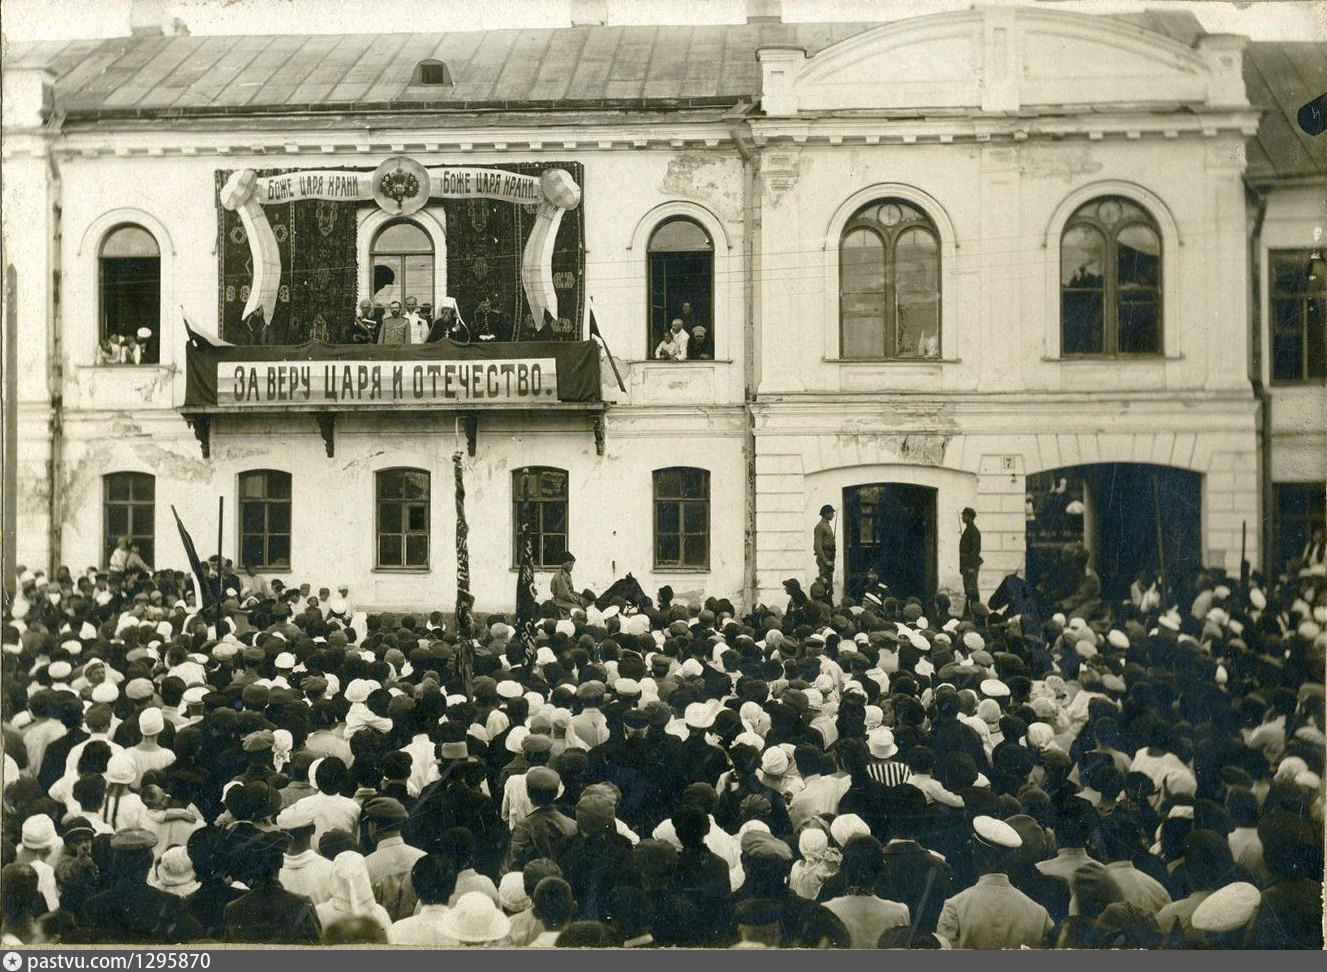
[[877, 773]]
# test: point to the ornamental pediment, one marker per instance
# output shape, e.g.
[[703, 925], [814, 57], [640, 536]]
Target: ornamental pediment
[[1002, 60]]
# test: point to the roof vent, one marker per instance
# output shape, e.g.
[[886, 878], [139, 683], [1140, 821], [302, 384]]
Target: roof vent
[[432, 72]]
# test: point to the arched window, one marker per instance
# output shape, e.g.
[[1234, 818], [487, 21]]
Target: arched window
[[681, 518], [265, 519], [889, 283], [129, 266], [682, 285], [129, 512], [403, 263], [1110, 280], [403, 519], [539, 498]]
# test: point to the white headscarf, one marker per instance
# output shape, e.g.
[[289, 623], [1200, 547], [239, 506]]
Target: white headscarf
[[351, 889]]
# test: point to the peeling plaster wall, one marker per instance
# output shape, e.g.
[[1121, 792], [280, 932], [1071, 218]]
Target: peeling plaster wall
[[611, 499]]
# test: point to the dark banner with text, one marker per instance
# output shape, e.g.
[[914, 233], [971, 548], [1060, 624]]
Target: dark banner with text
[[441, 375]]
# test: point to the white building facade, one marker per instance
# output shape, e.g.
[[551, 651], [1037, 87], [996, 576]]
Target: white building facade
[[940, 262]]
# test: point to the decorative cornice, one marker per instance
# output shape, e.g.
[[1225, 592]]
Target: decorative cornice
[[461, 141]]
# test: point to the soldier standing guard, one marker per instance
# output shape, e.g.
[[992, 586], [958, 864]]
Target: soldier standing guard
[[822, 542]]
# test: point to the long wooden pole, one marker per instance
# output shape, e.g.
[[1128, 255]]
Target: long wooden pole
[[221, 561], [1161, 542]]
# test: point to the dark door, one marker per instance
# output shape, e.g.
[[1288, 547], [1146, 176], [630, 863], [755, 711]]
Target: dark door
[[891, 526]]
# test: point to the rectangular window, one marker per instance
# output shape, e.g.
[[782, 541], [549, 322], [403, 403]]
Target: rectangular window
[[1299, 511], [402, 519], [545, 490], [129, 511], [1298, 323], [265, 519], [682, 518]]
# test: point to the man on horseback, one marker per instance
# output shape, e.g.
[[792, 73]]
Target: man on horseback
[[563, 590]]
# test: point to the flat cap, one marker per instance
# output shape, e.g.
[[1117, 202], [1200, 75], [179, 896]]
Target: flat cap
[[543, 778], [1229, 908], [385, 810], [133, 838], [758, 845]]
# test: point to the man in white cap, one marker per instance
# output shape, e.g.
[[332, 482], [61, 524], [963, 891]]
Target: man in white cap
[[993, 913], [37, 846], [148, 755]]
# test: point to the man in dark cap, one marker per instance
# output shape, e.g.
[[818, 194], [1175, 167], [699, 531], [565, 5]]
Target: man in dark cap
[[825, 549], [268, 914], [597, 858], [545, 830], [1290, 915], [563, 590], [969, 557], [767, 861], [132, 912], [390, 863]]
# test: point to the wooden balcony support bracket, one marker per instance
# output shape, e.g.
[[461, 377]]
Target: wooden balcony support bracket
[[327, 429]]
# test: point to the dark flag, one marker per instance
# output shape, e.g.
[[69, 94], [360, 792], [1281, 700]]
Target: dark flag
[[464, 599], [595, 333], [199, 338], [206, 591], [527, 601]]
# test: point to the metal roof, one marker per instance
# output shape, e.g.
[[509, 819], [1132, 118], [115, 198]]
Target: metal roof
[[1280, 78], [565, 70], [573, 65], [578, 66]]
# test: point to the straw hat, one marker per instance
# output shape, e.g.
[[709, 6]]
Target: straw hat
[[476, 918]]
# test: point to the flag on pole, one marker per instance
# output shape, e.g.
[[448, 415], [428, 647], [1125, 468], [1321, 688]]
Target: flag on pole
[[595, 333], [206, 592], [199, 338], [464, 599], [527, 601]]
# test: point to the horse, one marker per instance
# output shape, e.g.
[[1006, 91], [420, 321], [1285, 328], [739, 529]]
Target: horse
[[629, 590]]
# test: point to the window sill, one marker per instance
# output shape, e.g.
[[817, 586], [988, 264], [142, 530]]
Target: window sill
[[664, 571], [669, 362], [1299, 383], [891, 361], [1112, 358], [125, 367], [402, 570]]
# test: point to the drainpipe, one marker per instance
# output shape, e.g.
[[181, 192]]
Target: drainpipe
[[750, 218], [1255, 378], [55, 364]]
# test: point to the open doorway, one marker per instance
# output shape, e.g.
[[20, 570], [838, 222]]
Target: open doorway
[[1132, 517], [891, 526]]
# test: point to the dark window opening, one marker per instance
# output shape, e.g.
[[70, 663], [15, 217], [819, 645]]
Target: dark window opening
[[681, 518], [1299, 315], [431, 72], [129, 271], [1110, 280], [265, 514], [1300, 510], [889, 283], [681, 256], [129, 511], [539, 497], [403, 519]]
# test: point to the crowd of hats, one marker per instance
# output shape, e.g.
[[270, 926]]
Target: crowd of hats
[[799, 732]]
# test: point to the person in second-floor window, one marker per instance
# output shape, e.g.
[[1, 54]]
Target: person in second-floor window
[[700, 347], [673, 347]]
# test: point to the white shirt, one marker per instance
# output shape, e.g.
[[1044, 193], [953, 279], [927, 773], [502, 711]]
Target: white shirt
[[332, 812], [419, 328], [309, 874], [424, 928]]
